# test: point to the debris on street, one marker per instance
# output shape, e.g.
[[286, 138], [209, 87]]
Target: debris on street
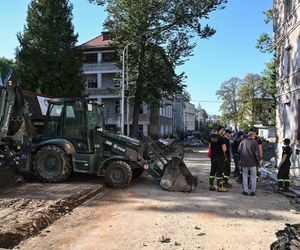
[[289, 238], [194, 142], [164, 239]]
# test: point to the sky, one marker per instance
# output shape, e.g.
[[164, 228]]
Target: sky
[[229, 53]]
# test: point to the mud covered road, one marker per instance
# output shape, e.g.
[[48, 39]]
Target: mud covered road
[[27, 208], [145, 217]]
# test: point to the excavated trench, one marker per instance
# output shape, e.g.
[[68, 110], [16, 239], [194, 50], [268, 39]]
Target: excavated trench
[[23, 217]]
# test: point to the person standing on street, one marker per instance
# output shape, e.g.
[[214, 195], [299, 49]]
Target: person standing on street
[[236, 156], [249, 153], [283, 176], [227, 163], [217, 147]]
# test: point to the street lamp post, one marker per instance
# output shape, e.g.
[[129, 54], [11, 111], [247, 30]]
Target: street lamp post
[[123, 89], [127, 97]]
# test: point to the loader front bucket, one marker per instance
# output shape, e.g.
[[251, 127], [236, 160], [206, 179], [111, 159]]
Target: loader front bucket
[[177, 177]]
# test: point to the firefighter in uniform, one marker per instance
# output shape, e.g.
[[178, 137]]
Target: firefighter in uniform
[[217, 147], [284, 167]]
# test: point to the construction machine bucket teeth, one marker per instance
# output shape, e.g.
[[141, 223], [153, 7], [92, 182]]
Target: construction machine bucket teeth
[[177, 177]]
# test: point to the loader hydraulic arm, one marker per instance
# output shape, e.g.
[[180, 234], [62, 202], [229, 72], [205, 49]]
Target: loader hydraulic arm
[[14, 112]]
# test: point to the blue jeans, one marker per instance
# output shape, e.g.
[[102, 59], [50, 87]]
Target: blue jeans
[[252, 178]]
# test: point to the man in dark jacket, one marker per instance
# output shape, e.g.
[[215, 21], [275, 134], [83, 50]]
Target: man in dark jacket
[[217, 148], [249, 154]]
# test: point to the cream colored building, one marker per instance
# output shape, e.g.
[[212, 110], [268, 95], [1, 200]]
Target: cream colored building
[[101, 65], [189, 116], [287, 46]]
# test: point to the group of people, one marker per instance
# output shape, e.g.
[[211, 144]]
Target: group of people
[[247, 155]]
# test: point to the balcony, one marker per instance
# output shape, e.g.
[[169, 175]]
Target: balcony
[[114, 119], [100, 67], [104, 91]]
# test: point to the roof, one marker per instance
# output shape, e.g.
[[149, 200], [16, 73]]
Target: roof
[[99, 42]]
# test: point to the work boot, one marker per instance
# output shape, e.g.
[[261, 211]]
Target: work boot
[[280, 185], [227, 185], [225, 182], [286, 185], [211, 183], [221, 187]]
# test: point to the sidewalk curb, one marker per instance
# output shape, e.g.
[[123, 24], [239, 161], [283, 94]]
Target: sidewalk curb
[[45, 217]]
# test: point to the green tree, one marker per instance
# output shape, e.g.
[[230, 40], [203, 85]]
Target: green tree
[[265, 45], [264, 42], [269, 79], [255, 101], [228, 93], [5, 65], [168, 24], [48, 59]]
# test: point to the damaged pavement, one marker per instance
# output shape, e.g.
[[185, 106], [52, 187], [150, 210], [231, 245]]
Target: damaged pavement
[[28, 208]]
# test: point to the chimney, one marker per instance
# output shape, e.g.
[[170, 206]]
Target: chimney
[[106, 36]]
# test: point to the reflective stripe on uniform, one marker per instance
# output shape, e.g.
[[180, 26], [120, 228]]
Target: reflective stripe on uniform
[[287, 180], [211, 177], [282, 180]]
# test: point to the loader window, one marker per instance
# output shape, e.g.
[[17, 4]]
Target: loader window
[[94, 117], [73, 126], [73, 122], [52, 126]]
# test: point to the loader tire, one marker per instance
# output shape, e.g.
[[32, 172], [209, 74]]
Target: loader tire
[[137, 172], [118, 175], [53, 164]]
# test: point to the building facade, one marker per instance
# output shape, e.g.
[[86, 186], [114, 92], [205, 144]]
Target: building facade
[[189, 116], [184, 115], [287, 46], [101, 67]]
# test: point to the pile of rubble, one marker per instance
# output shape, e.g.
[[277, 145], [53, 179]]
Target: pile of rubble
[[194, 142], [270, 169], [289, 238]]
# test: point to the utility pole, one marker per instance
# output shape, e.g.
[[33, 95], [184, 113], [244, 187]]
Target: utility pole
[[123, 89]]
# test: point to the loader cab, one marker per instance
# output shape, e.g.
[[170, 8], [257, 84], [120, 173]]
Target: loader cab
[[74, 120]]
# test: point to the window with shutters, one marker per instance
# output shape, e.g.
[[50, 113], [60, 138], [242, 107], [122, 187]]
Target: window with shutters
[[287, 8], [287, 61], [287, 119]]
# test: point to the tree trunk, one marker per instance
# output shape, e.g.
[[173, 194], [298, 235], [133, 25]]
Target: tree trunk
[[135, 117], [154, 122], [139, 82]]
